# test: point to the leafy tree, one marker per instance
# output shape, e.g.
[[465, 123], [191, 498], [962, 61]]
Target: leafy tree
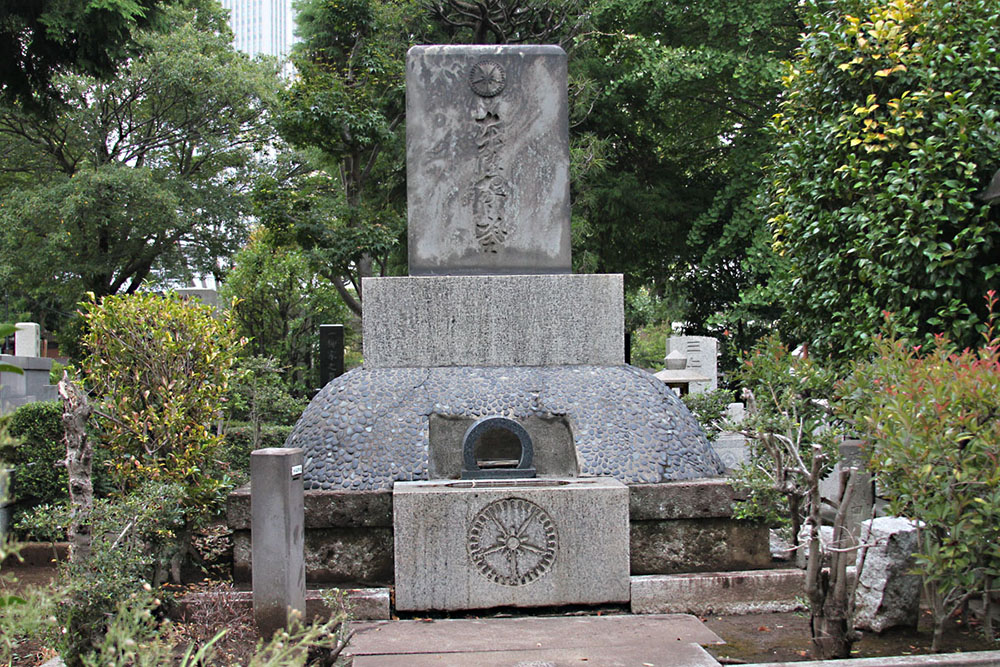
[[44, 38], [133, 177], [347, 104], [278, 305], [507, 21], [889, 131], [685, 94], [793, 440], [930, 418], [161, 368]]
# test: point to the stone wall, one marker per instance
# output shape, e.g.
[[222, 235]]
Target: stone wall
[[674, 527]]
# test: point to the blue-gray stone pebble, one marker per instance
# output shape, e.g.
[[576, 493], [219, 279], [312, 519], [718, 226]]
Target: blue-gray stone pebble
[[369, 427]]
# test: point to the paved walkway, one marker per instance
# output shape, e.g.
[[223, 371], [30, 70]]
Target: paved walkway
[[665, 640]]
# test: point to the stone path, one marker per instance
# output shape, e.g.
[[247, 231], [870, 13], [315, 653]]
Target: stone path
[[665, 640]]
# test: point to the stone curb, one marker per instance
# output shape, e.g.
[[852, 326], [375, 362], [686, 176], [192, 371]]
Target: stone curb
[[973, 659], [749, 591]]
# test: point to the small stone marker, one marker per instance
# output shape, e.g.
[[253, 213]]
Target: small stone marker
[[487, 160], [702, 355], [277, 517], [27, 340]]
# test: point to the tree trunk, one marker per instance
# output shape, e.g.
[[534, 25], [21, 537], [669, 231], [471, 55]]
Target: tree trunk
[[76, 412], [829, 603]]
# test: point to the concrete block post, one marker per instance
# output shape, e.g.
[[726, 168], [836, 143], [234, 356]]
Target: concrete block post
[[277, 537]]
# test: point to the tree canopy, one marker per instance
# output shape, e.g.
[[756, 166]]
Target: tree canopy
[[889, 132], [684, 96], [143, 175], [42, 39]]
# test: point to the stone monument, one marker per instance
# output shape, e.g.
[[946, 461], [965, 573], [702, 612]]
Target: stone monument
[[17, 389], [491, 324]]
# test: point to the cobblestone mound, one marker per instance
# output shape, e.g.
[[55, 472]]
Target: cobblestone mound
[[369, 428]]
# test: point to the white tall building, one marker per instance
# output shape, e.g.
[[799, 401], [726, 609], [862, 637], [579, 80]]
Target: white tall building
[[261, 26]]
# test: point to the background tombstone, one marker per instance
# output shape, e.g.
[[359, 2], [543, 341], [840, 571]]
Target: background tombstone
[[27, 340], [331, 352], [702, 354]]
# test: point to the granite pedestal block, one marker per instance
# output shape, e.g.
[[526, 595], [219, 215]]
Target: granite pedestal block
[[525, 543], [550, 320]]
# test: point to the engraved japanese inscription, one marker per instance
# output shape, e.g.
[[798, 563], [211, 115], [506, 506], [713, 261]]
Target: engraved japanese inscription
[[490, 190], [512, 541]]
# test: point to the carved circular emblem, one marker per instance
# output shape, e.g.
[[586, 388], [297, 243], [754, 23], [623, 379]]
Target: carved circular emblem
[[487, 78], [512, 542]]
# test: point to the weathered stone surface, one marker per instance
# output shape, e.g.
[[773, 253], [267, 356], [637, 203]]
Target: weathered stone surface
[[887, 595], [32, 385], [693, 545], [695, 499], [370, 428], [741, 592], [518, 320], [357, 556], [551, 437], [349, 533], [471, 641], [487, 160], [323, 509], [276, 509], [28, 339], [487, 543], [702, 355]]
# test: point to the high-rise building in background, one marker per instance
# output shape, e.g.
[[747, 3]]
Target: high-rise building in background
[[261, 26]]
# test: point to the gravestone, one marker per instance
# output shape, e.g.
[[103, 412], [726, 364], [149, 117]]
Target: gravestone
[[491, 323], [487, 160], [27, 340], [331, 352], [702, 354]]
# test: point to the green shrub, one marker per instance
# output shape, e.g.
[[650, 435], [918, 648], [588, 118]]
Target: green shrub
[[161, 367], [709, 408], [259, 394], [240, 442], [888, 133], [38, 477], [43, 523], [931, 419], [136, 539]]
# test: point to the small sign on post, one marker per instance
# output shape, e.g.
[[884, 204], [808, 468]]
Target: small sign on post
[[277, 537]]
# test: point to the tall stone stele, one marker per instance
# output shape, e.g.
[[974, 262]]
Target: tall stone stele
[[487, 158]]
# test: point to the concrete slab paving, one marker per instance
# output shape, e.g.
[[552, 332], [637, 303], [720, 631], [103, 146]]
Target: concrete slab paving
[[684, 655], [660, 640]]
